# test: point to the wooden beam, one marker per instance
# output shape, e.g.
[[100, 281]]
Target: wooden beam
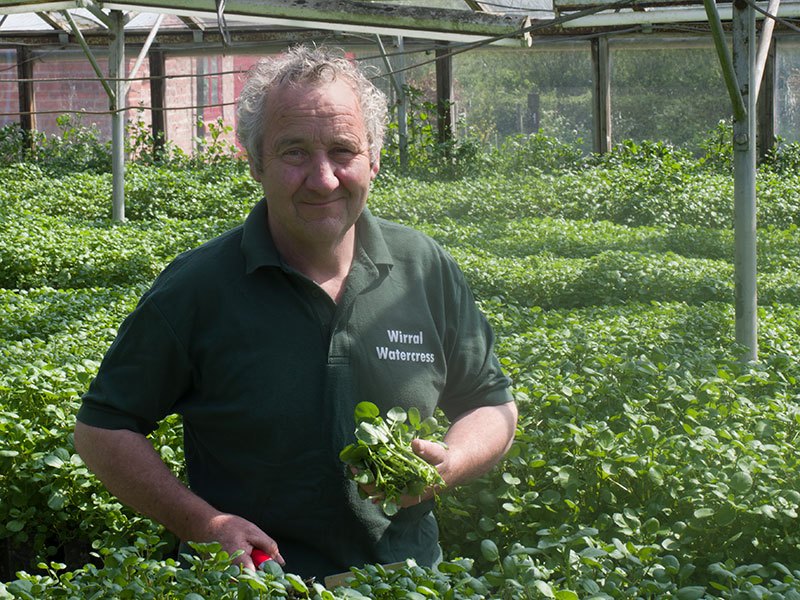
[[27, 105], [444, 93], [158, 101], [601, 95], [765, 103], [56, 25]]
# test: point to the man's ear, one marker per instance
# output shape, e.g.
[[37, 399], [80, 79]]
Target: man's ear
[[254, 173], [376, 166]]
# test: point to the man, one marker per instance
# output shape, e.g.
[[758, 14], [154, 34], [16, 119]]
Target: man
[[266, 338]]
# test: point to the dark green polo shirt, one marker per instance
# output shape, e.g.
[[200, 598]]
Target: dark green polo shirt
[[265, 370]]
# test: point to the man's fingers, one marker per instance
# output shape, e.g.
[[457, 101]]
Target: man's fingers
[[431, 452]]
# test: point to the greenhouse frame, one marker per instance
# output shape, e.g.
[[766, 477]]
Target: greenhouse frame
[[131, 52]]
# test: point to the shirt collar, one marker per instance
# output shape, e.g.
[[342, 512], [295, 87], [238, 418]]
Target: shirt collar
[[259, 250]]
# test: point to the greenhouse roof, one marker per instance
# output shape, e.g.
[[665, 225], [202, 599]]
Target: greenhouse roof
[[500, 22], [446, 20]]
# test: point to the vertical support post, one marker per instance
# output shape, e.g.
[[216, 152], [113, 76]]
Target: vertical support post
[[444, 93], [158, 96], [201, 90], [402, 105], [765, 119], [117, 74], [601, 95], [27, 105], [744, 189]]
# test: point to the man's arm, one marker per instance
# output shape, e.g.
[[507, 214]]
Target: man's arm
[[476, 441], [128, 465]]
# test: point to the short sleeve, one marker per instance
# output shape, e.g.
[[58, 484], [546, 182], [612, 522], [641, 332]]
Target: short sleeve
[[144, 373], [474, 375]]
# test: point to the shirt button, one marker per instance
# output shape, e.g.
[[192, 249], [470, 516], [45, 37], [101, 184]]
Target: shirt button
[[315, 293]]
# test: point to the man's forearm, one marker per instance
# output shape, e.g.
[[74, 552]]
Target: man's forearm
[[131, 469], [477, 440]]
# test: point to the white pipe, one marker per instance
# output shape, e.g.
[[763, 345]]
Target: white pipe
[[764, 44], [145, 49], [44, 7]]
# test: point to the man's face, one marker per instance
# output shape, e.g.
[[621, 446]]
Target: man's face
[[316, 168]]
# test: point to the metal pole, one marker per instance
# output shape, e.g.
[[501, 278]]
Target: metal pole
[[117, 75], [398, 80], [402, 107], [764, 45], [729, 73], [601, 95], [744, 190]]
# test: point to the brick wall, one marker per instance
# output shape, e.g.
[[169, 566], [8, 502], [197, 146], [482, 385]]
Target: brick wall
[[188, 97]]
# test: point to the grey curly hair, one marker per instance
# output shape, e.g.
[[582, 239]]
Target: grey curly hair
[[301, 64]]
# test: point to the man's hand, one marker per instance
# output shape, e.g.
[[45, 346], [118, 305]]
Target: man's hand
[[475, 442], [133, 471], [235, 533], [432, 453]]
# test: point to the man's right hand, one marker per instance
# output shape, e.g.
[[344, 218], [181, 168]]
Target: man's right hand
[[235, 533], [131, 469]]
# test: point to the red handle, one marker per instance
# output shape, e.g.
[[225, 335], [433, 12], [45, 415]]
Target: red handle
[[259, 557]]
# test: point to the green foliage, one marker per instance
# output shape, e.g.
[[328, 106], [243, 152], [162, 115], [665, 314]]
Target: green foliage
[[382, 458], [77, 148], [784, 159], [648, 462], [426, 157], [133, 572], [538, 153]]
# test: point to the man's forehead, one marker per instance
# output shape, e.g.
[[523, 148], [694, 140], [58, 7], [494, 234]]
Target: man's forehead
[[306, 108]]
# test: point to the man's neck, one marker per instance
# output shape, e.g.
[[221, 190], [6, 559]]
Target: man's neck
[[326, 265]]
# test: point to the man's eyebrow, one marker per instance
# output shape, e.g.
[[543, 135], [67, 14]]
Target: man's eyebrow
[[288, 141]]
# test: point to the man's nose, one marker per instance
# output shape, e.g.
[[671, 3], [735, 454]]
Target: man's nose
[[322, 176]]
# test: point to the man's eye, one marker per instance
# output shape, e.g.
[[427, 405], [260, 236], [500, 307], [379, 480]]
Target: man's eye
[[343, 154], [293, 155]]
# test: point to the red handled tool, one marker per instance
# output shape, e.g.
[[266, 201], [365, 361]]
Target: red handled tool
[[259, 557]]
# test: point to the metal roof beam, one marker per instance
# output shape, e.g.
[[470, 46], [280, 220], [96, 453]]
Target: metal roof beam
[[16, 7], [47, 18], [337, 12]]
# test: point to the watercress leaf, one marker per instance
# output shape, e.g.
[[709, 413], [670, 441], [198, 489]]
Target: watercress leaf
[[371, 434], [396, 415], [428, 426], [414, 417], [390, 507], [365, 411]]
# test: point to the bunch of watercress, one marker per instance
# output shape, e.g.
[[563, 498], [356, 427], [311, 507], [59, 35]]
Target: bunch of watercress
[[382, 456]]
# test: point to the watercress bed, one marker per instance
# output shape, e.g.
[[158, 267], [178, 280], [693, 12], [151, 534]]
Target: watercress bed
[[381, 456], [649, 461]]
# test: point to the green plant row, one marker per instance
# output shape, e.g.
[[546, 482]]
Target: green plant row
[[549, 263], [640, 424], [151, 192], [627, 194], [777, 248], [613, 277], [46, 251], [597, 570], [51, 342], [635, 422]]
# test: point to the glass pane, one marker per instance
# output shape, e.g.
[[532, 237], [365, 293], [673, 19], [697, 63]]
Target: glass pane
[[787, 92], [67, 85], [673, 94], [502, 93], [9, 90]]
